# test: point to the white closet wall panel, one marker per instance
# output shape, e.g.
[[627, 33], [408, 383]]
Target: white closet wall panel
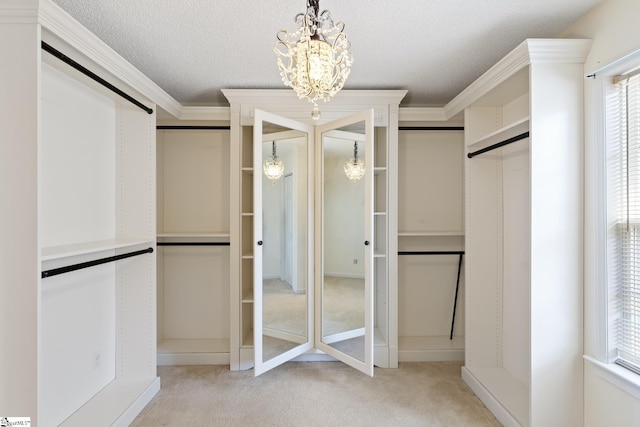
[[77, 160], [196, 293], [430, 181], [135, 169], [425, 303], [78, 345], [196, 181], [516, 266]]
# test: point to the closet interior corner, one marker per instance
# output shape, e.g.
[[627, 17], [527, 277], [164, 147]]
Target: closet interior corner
[[193, 244], [431, 241]]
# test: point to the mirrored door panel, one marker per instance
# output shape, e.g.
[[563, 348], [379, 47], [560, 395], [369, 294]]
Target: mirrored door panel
[[344, 233], [283, 218]]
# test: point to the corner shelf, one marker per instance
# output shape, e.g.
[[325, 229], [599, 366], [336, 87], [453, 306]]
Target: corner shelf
[[506, 132], [86, 248]]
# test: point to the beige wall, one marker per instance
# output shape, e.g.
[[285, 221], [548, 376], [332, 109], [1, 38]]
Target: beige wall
[[613, 27]]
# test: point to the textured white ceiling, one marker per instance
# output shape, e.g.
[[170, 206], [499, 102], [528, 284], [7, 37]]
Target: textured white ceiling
[[432, 48]]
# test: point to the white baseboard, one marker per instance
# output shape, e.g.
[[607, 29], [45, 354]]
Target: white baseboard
[[496, 408], [446, 355], [138, 405], [169, 359]]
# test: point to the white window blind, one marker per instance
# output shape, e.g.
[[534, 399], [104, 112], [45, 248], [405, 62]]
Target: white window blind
[[624, 173]]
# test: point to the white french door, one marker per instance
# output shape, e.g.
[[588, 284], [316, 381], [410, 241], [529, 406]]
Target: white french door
[[332, 239]]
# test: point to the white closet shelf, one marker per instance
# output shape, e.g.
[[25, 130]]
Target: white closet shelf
[[247, 297], [378, 254], [195, 234], [430, 233], [248, 170], [516, 128], [379, 213], [247, 339], [247, 213], [64, 251], [247, 255]]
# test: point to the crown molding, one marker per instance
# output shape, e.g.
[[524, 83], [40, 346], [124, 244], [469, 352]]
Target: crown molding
[[19, 12], [62, 25], [205, 113], [529, 51], [419, 114], [406, 114], [288, 96]]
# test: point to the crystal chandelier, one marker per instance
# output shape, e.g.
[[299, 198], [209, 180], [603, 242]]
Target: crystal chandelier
[[354, 168], [273, 168], [315, 60]]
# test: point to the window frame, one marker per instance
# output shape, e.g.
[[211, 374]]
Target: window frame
[[605, 354]]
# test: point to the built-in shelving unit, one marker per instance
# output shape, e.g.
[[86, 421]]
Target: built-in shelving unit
[[97, 261], [430, 222], [523, 242], [193, 245], [244, 359], [385, 104]]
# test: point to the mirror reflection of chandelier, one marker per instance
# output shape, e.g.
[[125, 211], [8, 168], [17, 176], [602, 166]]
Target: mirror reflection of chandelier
[[273, 168], [354, 168], [314, 61]]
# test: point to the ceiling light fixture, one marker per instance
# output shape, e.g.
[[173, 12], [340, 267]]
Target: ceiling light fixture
[[354, 168], [314, 61], [273, 168]]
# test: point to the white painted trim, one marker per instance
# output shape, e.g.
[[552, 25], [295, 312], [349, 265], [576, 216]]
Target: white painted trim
[[170, 359], [530, 50], [138, 405], [433, 355], [598, 227], [422, 114], [287, 96], [19, 12], [205, 113], [406, 114], [618, 376], [598, 170], [499, 411]]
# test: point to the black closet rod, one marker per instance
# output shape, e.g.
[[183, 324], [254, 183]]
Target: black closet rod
[[195, 127], [431, 128], [64, 58], [431, 253], [79, 266], [499, 144], [194, 244]]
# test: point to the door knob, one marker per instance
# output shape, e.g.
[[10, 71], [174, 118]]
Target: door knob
[[366, 243], [259, 242]]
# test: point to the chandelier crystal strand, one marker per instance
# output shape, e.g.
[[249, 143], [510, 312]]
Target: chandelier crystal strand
[[315, 60], [354, 168]]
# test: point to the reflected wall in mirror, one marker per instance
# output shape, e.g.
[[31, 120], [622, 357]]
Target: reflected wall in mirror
[[285, 237], [343, 236]]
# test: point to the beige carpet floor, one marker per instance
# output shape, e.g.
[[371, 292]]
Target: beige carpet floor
[[315, 394]]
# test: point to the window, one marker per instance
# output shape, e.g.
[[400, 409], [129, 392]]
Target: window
[[623, 205]]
